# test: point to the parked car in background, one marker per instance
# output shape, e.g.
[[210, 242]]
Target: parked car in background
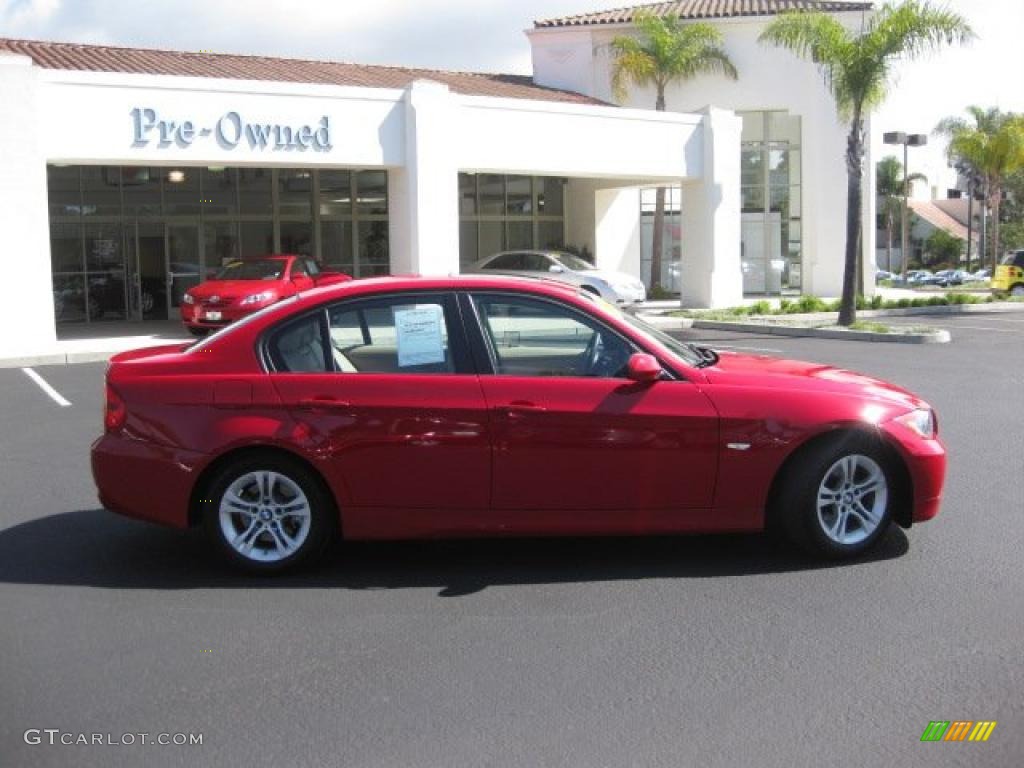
[[414, 407], [982, 274], [948, 277], [882, 274], [245, 286], [919, 277], [614, 287], [1009, 277]]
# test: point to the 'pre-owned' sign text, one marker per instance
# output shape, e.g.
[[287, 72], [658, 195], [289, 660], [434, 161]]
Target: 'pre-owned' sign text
[[230, 130]]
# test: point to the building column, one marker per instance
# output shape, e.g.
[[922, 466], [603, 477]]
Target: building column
[[617, 230], [423, 196], [711, 272], [26, 312]]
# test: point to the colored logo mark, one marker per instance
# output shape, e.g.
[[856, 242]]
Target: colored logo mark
[[958, 730]]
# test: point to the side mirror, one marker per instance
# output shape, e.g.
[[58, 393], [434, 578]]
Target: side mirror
[[643, 368], [556, 268]]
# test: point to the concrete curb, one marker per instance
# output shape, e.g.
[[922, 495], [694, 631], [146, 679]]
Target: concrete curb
[[938, 336], [71, 357]]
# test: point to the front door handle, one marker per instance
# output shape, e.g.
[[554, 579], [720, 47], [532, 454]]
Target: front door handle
[[323, 401], [520, 408]]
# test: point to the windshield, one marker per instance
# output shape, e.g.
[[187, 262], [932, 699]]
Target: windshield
[[688, 353], [1013, 259], [574, 263], [257, 269]]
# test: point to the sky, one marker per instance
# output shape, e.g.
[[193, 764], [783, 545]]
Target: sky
[[487, 35]]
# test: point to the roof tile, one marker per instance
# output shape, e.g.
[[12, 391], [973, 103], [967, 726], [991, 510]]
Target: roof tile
[[102, 58], [703, 9]]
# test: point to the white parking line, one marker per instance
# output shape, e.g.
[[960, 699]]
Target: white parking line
[[985, 328], [45, 386]]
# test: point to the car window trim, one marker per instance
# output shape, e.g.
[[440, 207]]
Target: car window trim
[[457, 343]]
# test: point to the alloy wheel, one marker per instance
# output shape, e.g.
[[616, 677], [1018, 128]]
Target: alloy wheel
[[852, 499], [264, 516]]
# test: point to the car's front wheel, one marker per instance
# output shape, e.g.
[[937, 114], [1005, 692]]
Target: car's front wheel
[[837, 501], [268, 513]]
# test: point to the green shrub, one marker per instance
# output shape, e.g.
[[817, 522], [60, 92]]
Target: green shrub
[[876, 301], [761, 308]]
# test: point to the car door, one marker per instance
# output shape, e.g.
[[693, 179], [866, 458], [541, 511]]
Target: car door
[[569, 433], [383, 389]]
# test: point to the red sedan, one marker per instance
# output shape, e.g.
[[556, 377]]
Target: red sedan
[[420, 407], [245, 286]]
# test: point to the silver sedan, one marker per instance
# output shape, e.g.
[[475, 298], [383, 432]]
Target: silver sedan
[[613, 287]]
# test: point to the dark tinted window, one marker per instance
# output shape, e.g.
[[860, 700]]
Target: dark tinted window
[[536, 262], [510, 261]]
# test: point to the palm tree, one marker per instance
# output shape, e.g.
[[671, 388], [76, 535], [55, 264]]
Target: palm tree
[[993, 147], [667, 51], [890, 188], [856, 66]]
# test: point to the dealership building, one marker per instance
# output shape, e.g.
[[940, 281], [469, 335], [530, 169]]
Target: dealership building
[[130, 174]]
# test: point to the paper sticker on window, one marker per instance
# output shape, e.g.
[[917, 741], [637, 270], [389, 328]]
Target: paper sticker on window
[[420, 338]]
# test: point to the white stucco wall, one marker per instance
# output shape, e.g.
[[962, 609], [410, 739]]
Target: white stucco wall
[[26, 312], [769, 79]]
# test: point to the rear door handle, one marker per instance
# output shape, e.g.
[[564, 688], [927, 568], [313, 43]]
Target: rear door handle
[[323, 401]]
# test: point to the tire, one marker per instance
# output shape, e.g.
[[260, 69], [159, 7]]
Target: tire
[[198, 332], [831, 512], [1017, 290], [590, 289], [263, 532]]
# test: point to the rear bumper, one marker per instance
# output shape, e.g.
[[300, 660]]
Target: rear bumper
[[143, 480]]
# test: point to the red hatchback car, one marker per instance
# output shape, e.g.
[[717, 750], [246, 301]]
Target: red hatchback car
[[242, 287], [419, 407]]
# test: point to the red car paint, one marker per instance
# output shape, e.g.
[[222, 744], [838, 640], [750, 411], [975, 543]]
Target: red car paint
[[461, 454], [224, 297]]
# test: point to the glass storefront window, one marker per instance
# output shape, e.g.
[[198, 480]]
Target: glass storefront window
[[140, 189], [220, 191], [373, 248], [297, 237], [551, 234], [492, 238], [181, 191], [335, 193], [257, 237], [551, 196], [336, 246], [294, 192], [221, 243], [519, 200], [255, 194], [467, 194], [520, 235], [63, 183], [66, 247], [467, 243], [101, 190], [372, 188], [492, 194]]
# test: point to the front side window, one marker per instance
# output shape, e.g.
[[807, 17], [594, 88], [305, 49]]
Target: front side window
[[392, 336], [529, 337]]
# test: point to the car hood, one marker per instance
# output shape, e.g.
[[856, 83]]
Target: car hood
[[233, 289], [734, 368]]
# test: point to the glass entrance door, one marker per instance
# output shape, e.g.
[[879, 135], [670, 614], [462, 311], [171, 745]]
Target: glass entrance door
[[184, 263]]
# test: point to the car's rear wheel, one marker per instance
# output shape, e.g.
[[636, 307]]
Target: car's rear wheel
[[1017, 290], [269, 513], [836, 500]]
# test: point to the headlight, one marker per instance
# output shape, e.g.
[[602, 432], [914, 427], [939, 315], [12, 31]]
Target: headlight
[[922, 421], [187, 298], [257, 298]]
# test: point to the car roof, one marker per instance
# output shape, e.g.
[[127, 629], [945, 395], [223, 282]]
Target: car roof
[[374, 285]]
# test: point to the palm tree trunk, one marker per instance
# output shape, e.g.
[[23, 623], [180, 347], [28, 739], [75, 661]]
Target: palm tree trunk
[[888, 242], [997, 199], [658, 236], [854, 195]]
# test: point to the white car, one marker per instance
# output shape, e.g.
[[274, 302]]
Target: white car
[[613, 287]]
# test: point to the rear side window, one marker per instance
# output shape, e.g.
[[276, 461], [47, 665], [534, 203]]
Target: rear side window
[[399, 335], [513, 261], [298, 346]]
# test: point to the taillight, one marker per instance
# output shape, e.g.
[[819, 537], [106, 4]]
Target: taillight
[[115, 411]]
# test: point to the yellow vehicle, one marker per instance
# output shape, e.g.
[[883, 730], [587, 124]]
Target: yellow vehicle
[[1009, 276]]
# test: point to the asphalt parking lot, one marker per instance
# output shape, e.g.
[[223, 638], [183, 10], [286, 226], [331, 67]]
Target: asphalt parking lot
[[705, 650]]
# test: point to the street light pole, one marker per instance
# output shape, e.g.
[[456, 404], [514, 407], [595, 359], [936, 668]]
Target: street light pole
[[907, 140]]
